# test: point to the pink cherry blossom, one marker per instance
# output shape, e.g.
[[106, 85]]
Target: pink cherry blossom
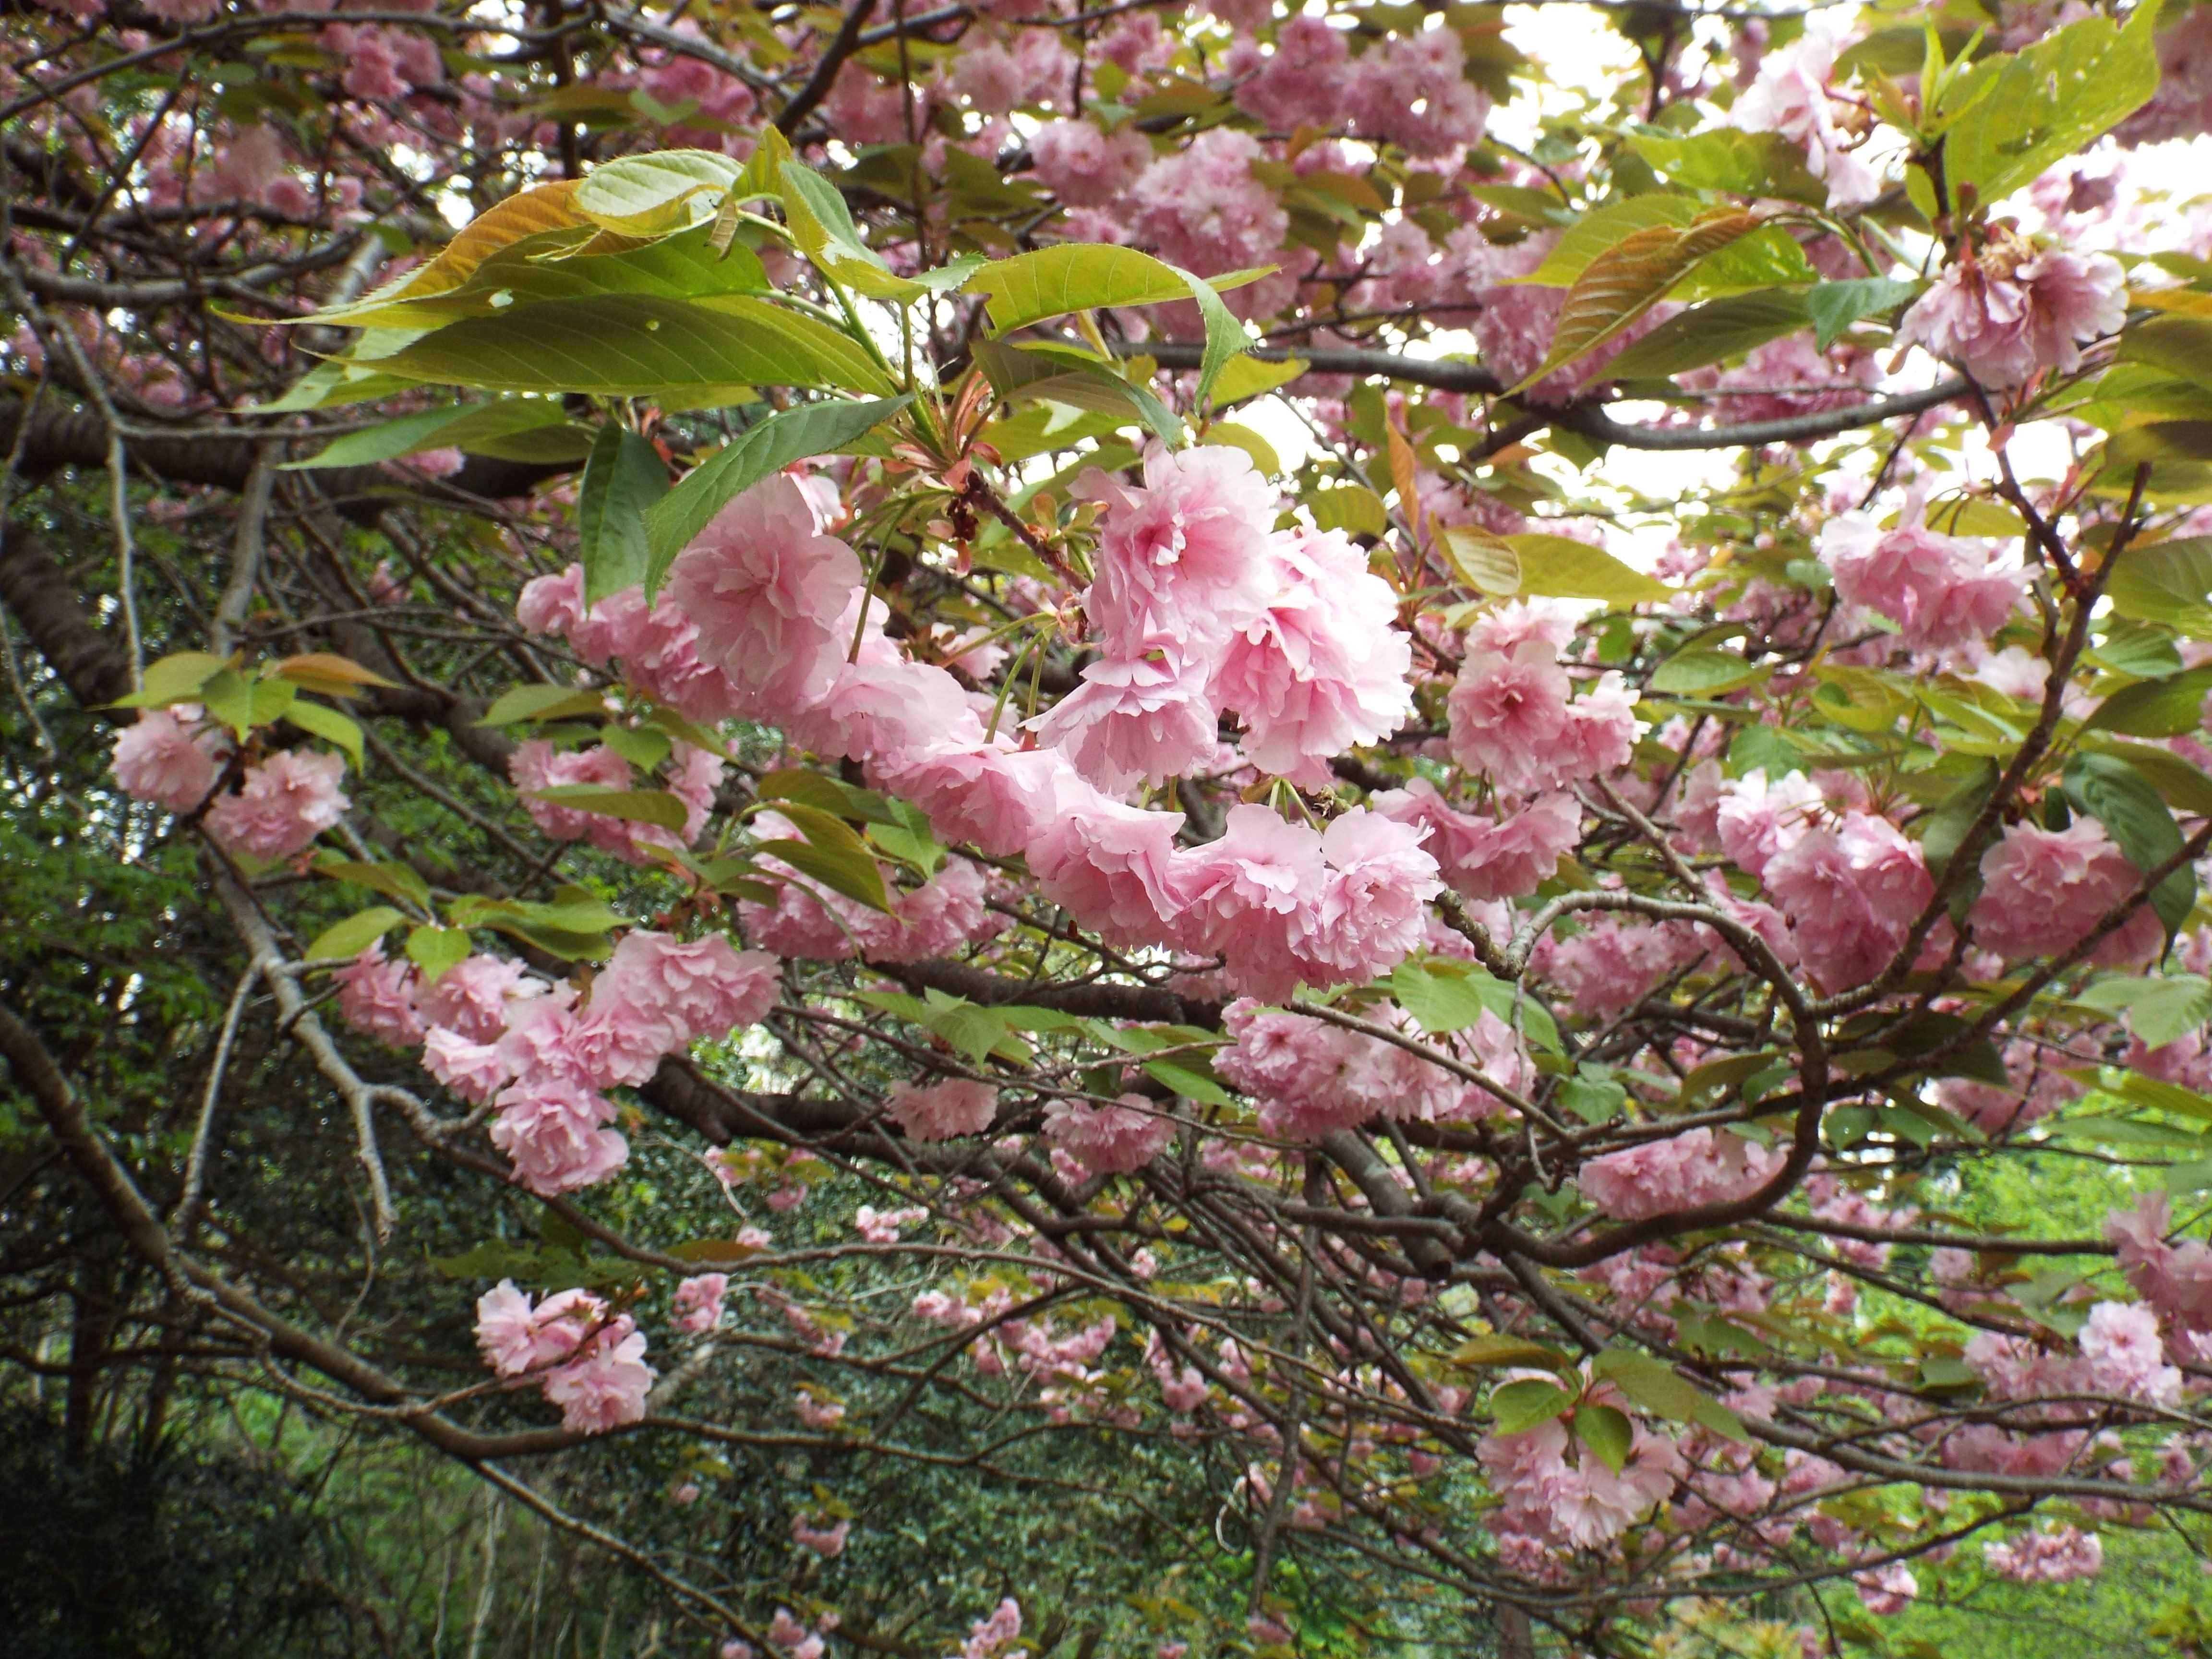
[[1411, 90], [1322, 668], [1086, 167], [516, 1337], [684, 989], [1182, 561], [1791, 96], [699, 1302], [471, 997], [1205, 209], [1109, 1139], [158, 759], [2127, 1356], [1136, 719], [2014, 310], [1887, 1589], [551, 1128], [2043, 890], [2056, 1557], [829, 1542], [282, 805], [605, 1385], [378, 998], [1941, 591], [474, 1070], [1852, 893], [1754, 820], [1108, 866], [1487, 858], [765, 589], [1580, 1505], [1305, 81], [1373, 909], [942, 1111], [1684, 1172], [997, 800], [2174, 1279]]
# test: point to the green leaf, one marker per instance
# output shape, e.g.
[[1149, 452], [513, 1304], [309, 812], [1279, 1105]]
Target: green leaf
[[1063, 375], [1607, 1432], [1607, 227], [1446, 995], [1627, 279], [2180, 345], [827, 794], [639, 346], [1246, 376], [177, 678], [330, 726], [1353, 508], [1516, 1408], [651, 195], [542, 702], [1030, 288], [393, 880], [1488, 563], [1653, 1384], [1836, 305], [2164, 707], [2118, 797], [792, 435], [624, 478], [1499, 1349], [1740, 163], [655, 807], [350, 937], [2168, 583], [460, 427], [2024, 111], [2159, 1008], [1594, 1100], [838, 859], [1701, 672], [1561, 568], [542, 208], [2181, 784], [434, 950], [1226, 336], [1712, 333]]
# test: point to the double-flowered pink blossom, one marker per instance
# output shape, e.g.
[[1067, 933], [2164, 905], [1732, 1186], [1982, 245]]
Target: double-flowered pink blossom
[[1942, 592], [1183, 560], [673, 991], [1411, 90], [1791, 96], [2175, 1278], [592, 1366], [765, 589], [942, 1111], [553, 1129], [1852, 893], [2126, 1355], [378, 998], [160, 758], [1109, 1139], [699, 1302], [1578, 1505], [1514, 715], [2044, 890], [1322, 667], [471, 997], [2059, 1556], [1311, 1078], [1683, 1172], [1205, 209], [1482, 857], [1142, 718], [1083, 166], [2013, 310], [281, 806]]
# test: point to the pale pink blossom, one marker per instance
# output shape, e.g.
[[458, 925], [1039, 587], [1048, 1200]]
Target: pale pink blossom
[[1580, 1505], [1487, 858], [1306, 81], [827, 1542], [699, 1302], [2126, 1355], [1887, 1589], [473, 1071], [987, 1637], [1322, 667], [684, 990], [1684, 1172], [1108, 866], [158, 759], [1852, 893], [1754, 820], [552, 1128], [1109, 1139], [1791, 96], [283, 805], [1144, 718], [944, 1110], [2059, 1556], [1182, 561], [765, 589], [2174, 1279], [1083, 167], [1941, 591], [516, 1337], [1204, 209], [377, 998], [471, 997], [2014, 310], [605, 1385], [2043, 890], [1411, 90], [997, 800]]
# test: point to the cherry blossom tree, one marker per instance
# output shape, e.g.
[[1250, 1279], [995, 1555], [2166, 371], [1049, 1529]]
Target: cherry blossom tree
[[1009, 706]]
